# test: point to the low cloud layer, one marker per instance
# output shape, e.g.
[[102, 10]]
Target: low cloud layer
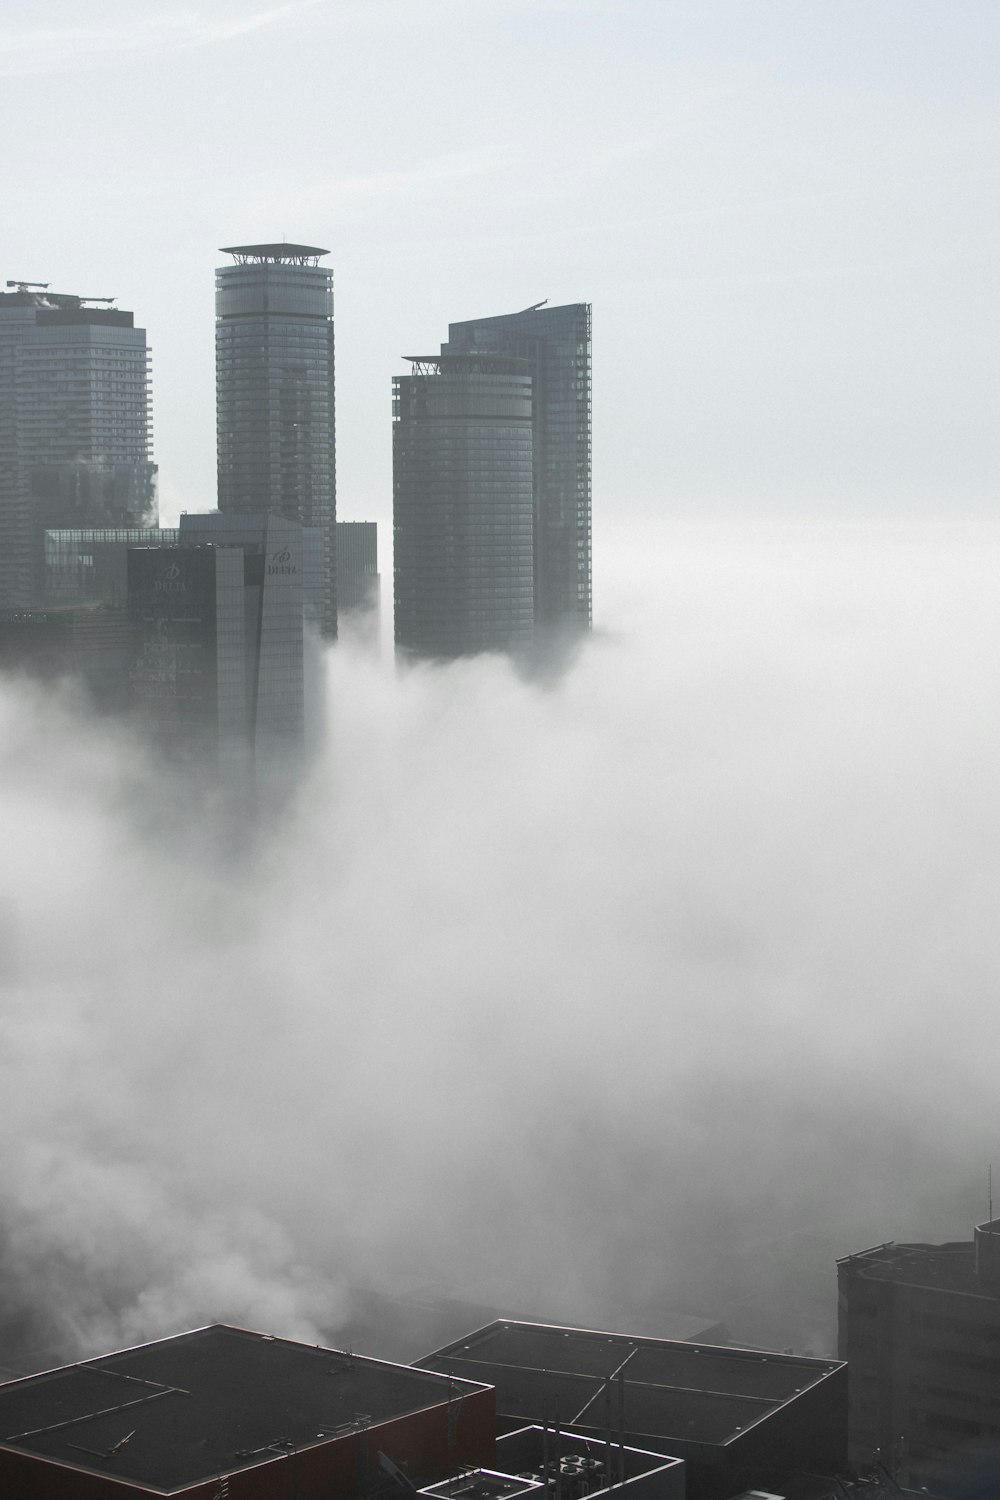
[[658, 987]]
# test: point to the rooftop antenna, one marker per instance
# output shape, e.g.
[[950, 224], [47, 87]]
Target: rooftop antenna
[[989, 1190]]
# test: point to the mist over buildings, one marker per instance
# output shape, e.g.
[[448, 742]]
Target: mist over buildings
[[659, 984]]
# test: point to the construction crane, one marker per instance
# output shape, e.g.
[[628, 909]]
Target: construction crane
[[98, 299], [27, 286]]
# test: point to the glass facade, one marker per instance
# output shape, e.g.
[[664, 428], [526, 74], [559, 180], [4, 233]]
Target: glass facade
[[556, 343], [463, 507], [275, 394], [89, 565], [173, 681], [260, 639], [217, 676], [357, 566], [75, 445], [91, 643]]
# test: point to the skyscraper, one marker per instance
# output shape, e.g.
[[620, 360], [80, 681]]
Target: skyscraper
[[555, 342], [218, 669], [275, 393], [357, 567], [491, 490], [462, 506], [74, 426]]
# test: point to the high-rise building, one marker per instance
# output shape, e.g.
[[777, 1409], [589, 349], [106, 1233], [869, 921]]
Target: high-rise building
[[920, 1329], [218, 675], [88, 565], [555, 343], [275, 393], [75, 446], [357, 567], [463, 506], [492, 491]]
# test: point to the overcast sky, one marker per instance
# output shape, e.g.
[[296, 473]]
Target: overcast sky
[[784, 212]]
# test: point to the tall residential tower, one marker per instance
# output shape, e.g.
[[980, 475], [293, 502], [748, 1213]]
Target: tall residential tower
[[491, 486], [555, 344], [74, 426], [275, 393], [462, 506]]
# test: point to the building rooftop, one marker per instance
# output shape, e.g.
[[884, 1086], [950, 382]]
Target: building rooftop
[[205, 1403], [261, 254], [696, 1392], [948, 1267]]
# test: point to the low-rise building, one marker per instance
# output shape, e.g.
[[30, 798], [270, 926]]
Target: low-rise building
[[225, 1414], [738, 1417]]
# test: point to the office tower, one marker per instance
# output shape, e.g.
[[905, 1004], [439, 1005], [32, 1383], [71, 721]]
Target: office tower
[[920, 1329], [217, 678], [357, 567], [275, 393], [74, 425], [463, 560], [463, 506], [555, 343], [89, 643], [89, 565]]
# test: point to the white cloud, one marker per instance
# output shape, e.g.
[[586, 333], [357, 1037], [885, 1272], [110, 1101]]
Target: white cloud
[[65, 48], [651, 964]]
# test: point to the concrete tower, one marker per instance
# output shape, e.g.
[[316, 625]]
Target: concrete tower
[[74, 426], [275, 393]]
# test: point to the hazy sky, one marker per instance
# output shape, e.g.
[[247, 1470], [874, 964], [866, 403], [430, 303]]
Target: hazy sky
[[785, 213]]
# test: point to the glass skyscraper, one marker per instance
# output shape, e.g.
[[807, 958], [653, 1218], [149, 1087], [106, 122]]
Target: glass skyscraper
[[357, 567], [555, 343], [74, 426], [217, 676], [491, 488], [463, 506], [275, 393]]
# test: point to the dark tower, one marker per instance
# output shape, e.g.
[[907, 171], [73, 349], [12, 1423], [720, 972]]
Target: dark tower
[[74, 426], [462, 506], [555, 344], [275, 393]]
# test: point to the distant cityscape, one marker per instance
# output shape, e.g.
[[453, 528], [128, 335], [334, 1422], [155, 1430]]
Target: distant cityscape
[[200, 632]]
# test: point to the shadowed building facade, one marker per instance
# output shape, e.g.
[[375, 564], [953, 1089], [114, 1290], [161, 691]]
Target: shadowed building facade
[[919, 1325], [357, 567], [275, 394], [555, 343], [217, 678], [492, 488], [74, 426], [462, 506]]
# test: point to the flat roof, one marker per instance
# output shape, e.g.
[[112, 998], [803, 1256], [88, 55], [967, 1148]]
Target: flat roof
[[948, 1267], [219, 1399], [282, 251], [695, 1392]]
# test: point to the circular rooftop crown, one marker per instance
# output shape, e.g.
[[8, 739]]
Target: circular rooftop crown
[[298, 254]]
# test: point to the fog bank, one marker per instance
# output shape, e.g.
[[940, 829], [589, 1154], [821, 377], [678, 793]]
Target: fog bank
[[657, 987]]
